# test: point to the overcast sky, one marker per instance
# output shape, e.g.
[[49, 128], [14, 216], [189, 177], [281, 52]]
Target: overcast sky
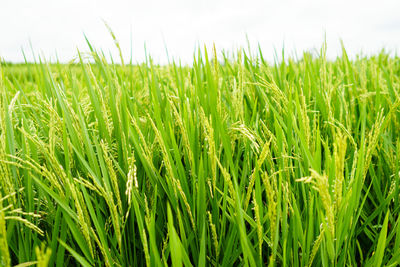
[[57, 27]]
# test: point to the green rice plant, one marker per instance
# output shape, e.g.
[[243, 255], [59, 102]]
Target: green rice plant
[[229, 161]]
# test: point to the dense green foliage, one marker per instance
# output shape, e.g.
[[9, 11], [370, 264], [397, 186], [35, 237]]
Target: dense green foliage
[[227, 162]]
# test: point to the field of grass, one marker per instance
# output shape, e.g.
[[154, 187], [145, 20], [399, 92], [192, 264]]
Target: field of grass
[[226, 162]]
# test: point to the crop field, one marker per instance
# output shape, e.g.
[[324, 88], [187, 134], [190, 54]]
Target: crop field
[[229, 161]]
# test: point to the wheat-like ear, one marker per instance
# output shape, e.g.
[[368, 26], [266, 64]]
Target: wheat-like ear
[[321, 184], [4, 253], [260, 160], [228, 179], [112, 174], [372, 139], [213, 234], [186, 203], [209, 134], [145, 247], [185, 136], [315, 247], [132, 180], [6, 182], [339, 155], [43, 255], [166, 159], [271, 193], [83, 215], [101, 247], [258, 221]]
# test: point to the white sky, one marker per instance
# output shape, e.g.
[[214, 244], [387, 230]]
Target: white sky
[[56, 27]]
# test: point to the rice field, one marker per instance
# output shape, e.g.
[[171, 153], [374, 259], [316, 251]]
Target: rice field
[[229, 161]]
